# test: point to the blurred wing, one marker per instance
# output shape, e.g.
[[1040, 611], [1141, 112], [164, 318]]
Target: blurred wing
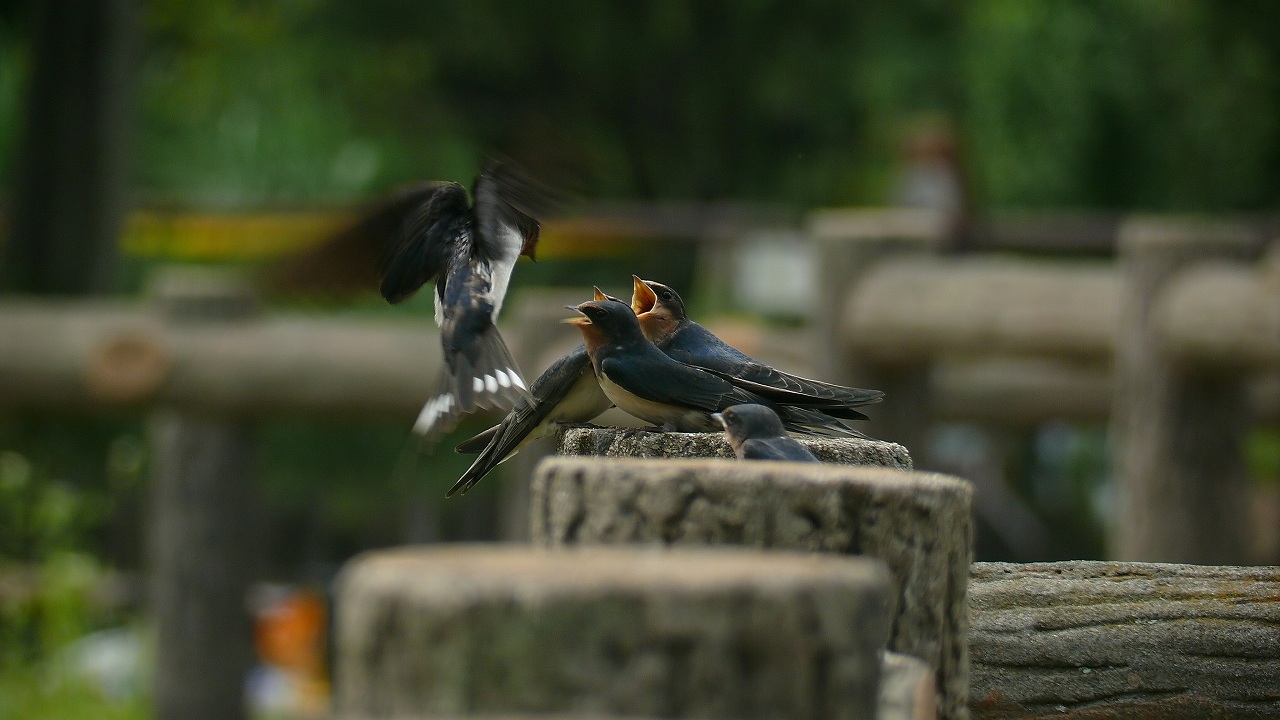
[[420, 247], [508, 203], [348, 261]]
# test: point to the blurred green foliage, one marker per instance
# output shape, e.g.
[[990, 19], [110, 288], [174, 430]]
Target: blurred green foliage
[[1100, 103], [47, 584]]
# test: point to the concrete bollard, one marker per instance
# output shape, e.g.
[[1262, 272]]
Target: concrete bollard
[[917, 523], [709, 633]]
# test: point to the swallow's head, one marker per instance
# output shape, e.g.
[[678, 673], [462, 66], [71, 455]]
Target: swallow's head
[[743, 422], [659, 308], [604, 321]]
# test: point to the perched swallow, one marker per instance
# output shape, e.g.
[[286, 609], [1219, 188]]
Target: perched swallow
[[470, 250], [755, 433], [801, 401], [567, 392], [642, 380]]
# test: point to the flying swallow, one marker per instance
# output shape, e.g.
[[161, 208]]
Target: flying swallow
[[469, 248], [567, 392], [664, 321], [642, 380], [755, 433]]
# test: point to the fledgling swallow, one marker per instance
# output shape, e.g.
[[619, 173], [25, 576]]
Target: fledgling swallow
[[567, 392], [755, 433], [470, 249], [642, 380], [800, 401]]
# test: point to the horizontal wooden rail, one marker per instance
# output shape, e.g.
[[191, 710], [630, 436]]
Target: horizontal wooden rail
[[924, 308], [84, 355]]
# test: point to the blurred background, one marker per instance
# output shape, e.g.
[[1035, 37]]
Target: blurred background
[[143, 140]]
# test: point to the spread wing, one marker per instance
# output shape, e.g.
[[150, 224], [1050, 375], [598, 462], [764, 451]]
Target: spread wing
[[508, 204], [420, 248], [673, 383], [353, 259]]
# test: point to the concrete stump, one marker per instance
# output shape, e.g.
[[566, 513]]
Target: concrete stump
[[917, 523], [626, 442], [707, 633], [1125, 640]]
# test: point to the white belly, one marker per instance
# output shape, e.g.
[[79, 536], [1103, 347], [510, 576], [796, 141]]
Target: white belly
[[681, 419]]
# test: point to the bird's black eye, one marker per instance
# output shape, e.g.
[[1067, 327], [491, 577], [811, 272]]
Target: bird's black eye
[[665, 294], [595, 312]]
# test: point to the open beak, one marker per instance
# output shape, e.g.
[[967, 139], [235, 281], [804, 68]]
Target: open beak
[[642, 296], [720, 419], [581, 320], [599, 294]]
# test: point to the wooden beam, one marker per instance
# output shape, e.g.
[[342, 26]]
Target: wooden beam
[[83, 356]]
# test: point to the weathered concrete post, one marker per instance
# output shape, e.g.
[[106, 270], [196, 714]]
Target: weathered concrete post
[[204, 532], [1178, 431], [918, 523], [849, 245], [501, 630]]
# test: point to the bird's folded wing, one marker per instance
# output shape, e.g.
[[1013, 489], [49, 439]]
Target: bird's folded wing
[[673, 383]]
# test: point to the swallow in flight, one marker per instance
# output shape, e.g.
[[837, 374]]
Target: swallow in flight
[[469, 248]]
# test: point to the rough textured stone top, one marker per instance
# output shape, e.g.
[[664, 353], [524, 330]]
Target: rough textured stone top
[[629, 442]]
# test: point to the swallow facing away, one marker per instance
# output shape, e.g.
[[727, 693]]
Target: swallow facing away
[[755, 433], [811, 404], [470, 250], [567, 392], [643, 381]]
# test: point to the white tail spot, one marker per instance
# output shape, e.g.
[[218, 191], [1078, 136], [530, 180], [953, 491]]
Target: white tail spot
[[490, 384], [477, 384]]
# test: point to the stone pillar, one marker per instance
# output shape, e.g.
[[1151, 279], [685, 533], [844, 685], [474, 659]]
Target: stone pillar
[[918, 523], [484, 631], [204, 531], [1178, 431]]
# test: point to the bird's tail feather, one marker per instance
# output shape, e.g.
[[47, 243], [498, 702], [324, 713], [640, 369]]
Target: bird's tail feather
[[483, 375], [477, 443], [813, 422]]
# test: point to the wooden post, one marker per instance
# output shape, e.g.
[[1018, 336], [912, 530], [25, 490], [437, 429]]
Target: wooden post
[[1177, 431], [204, 530], [70, 176], [849, 245], [1123, 640]]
